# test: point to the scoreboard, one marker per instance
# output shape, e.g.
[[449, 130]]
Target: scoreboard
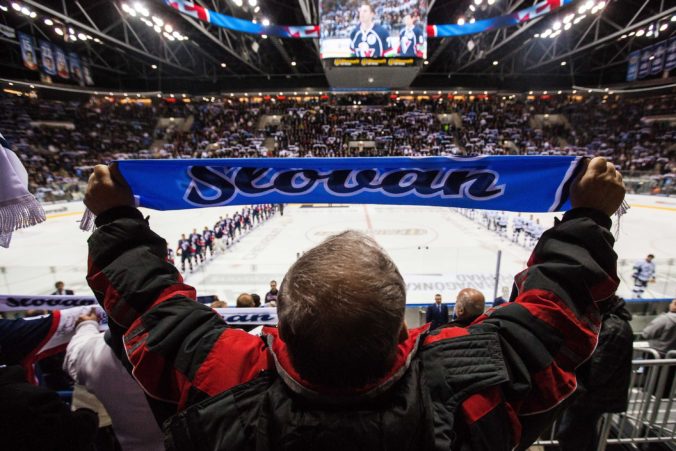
[[376, 29]]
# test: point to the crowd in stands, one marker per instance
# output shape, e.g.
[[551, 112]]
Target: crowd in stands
[[57, 156], [227, 231]]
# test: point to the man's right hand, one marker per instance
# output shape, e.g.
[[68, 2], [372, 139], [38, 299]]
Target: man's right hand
[[599, 187], [107, 189]]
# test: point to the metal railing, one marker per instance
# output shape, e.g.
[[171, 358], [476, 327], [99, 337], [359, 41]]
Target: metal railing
[[651, 413]]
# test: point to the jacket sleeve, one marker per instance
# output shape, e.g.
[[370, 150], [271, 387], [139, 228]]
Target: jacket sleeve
[[180, 350], [81, 352], [552, 326], [654, 328]]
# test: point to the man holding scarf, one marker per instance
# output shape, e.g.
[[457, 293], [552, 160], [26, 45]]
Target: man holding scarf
[[342, 371]]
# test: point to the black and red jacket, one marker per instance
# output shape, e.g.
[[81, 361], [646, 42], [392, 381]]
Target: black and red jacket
[[484, 387]]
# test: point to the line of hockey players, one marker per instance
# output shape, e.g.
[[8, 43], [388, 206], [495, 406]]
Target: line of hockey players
[[524, 231], [194, 247]]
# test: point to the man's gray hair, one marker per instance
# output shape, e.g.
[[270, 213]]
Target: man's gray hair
[[341, 309]]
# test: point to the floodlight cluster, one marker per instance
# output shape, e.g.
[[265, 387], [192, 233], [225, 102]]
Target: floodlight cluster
[[139, 11], [68, 33], [651, 31], [561, 24]]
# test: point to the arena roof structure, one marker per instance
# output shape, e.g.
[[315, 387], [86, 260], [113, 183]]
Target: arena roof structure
[[150, 46]]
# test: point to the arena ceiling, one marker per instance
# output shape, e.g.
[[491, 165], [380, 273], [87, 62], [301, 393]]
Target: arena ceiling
[[128, 54]]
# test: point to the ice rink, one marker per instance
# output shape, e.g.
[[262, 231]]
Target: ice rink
[[436, 249]]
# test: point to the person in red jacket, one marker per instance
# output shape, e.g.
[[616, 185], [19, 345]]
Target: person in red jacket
[[342, 371]]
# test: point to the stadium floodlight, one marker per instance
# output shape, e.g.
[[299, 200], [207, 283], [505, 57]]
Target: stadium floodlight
[[563, 63], [238, 2], [477, 2], [168, 36], [569, 18], [574, 91], [461, 21], [49, 22], [177, 35], [82, 36], [58, 31], [567, 26], [154, 66], [132, 12], [536, 35], [71, 30], [157, 29], [72, 37], [664, 26], [293, 63], [546, 33], [640, 33], [673, 18], [264, 36], [25, 11], [530, 93], [157, 20], [579, 19], [556, 25], [426, 62], [3, 8], [125, 8], [469, 92], [168, 28], [257, 9], [33, 15], [223, 65], [253, 3], [472, 8], [472, 20], [32, 86], [16, 7], [491, 2], [159, 96], [495, 63], [266, 22]]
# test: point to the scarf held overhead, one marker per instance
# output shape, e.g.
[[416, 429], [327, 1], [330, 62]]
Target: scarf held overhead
[[18, 208], [521, 183]]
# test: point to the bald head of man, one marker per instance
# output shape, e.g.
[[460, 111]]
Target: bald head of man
[[469, 304]]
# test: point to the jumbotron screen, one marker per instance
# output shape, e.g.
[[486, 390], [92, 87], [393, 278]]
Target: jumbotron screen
[[373, 29]]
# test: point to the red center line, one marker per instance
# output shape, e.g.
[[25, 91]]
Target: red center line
[[368, 219]]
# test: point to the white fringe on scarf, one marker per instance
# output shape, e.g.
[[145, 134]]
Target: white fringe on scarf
[[19, 213]]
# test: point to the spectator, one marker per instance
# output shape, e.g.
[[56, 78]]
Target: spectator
[[219, 304], [342, 339], [436, 313], [603, 382], [661, 332], [256, 299], [93, 364], [245, 300], [271, 296], [469, 305], [60, 290], [33, 418]]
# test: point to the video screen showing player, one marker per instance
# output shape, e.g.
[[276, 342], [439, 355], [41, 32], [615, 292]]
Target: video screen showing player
[[373, 28]]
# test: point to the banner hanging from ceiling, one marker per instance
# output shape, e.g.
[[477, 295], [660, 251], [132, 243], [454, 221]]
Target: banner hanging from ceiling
[[190, 8]]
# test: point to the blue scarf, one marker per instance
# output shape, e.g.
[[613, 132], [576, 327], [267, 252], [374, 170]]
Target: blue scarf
[[510, 183]]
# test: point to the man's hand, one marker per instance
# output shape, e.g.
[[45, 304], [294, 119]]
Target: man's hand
[[107, 189], [600, 187], [91, 316]]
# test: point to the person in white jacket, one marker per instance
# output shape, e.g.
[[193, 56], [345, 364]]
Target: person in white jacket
[[92, 364]]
